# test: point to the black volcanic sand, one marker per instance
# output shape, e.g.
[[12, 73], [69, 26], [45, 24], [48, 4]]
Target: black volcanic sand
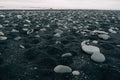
[[39, 57]]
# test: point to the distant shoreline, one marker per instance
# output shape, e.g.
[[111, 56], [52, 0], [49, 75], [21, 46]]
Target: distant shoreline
[[34, 9]]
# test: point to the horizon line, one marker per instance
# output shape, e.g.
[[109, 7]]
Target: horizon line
[[44, 8]]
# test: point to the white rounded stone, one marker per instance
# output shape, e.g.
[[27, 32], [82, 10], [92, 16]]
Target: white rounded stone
[[17, 38], [66, 55], [76, 73], [19, 16], [43, 29], [2, 34], [98, 57], [58, 31], [57, 35], [25, 29], [94, 42], [103, 36], [100, 32], [90, 49], [37, 36], [3, 38], [62, 69], [1, 26], [28, 21], [112, 31], [30, 31], [21, 46], [14, 30]]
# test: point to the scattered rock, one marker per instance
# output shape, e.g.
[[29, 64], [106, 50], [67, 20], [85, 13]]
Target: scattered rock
[[21, 46], [17, 38], [3, 38], [35, 68], [26, 25], [76, 73], [37, 36], [100, 32], [104, 36], [58, 31], [83, 33], [58, 42], [28, 21], [95, 42], [57, 35], [25, 29], [14, 30], [19, 16], [43, 29], [2, 16], [98, 57], [67, 55], [89, 48], [118, 45], [113, 30], [62, 69], [1, 26], [30, 31], [1, 33]]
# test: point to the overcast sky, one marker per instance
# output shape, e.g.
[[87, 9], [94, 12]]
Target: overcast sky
[[68, 4]]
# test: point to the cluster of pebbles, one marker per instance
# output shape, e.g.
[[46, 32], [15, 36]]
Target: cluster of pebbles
[[48, 46]]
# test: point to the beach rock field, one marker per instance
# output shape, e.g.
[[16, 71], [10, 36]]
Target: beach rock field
[[59, 45]]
